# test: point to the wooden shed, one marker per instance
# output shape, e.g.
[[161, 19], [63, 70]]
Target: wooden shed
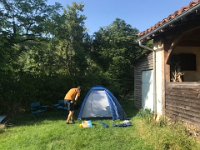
[[167, 79]]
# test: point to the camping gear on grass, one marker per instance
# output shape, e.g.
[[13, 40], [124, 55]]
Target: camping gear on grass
[[100, 103], [61, 105], [104, 124], [86, 124], [37, 108], [125, 123]]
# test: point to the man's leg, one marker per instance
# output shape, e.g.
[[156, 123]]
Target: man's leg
[[71, 113], [72, 116], [69, 117]]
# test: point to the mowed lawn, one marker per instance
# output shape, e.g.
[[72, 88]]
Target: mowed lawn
[[49, 131]]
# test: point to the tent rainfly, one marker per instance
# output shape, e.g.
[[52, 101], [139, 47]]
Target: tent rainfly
[[100, 103]]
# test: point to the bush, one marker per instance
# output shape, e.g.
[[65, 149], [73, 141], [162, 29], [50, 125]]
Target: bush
[[163, 133], [146, 114]]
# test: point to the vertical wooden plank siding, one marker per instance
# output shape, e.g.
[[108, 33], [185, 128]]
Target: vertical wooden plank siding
[[145, 63], [183, 101]]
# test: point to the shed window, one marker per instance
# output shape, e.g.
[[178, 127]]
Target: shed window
[[185, 62]]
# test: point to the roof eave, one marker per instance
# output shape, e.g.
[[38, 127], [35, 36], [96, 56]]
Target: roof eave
[[148, 35]]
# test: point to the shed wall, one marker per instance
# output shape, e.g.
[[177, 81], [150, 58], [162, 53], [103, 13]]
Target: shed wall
[[145, 63], [183, 101]]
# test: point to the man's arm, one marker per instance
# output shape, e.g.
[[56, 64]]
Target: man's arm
[[77, 95], [76, 98]]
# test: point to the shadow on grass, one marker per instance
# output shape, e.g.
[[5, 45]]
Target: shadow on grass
[[30, 119], [56, 115]]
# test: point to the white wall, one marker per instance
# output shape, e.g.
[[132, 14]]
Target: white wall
[[159, 77], [147, 90]]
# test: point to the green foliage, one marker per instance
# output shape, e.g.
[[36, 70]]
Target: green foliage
[[24, 28], [72, 44], [115, 50], [163, 134], [146, 114], [165, 137], [24, 34], [45, 50], [17, 95], [35, 57]]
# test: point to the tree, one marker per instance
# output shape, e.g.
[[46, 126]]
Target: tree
[[24, 23], [73, 42], [115, 49], [25, 31]]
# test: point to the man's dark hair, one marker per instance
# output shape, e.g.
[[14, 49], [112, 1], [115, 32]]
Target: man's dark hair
[[79, 87]]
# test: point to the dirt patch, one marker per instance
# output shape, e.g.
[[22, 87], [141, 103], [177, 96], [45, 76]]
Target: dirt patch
[[193, 130], [2, 128]]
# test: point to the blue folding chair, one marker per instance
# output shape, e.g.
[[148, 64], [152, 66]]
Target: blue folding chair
[[2, 119], [36, 108], [61, 105]]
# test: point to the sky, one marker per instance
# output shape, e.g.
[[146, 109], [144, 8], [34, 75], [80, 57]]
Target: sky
[[140, 14]]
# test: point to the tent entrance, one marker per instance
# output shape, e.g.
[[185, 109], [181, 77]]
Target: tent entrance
[[97, 105]]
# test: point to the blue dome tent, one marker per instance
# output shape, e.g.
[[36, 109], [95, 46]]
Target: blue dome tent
[[100, 103]]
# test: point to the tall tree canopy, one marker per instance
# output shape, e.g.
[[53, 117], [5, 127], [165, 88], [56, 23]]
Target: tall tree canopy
[[26, 19], [73, 42], [24, 24], [115, 50]]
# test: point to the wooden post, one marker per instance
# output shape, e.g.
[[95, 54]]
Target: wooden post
[[167, 53]]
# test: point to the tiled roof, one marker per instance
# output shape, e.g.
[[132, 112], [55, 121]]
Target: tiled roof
[[170, 17]]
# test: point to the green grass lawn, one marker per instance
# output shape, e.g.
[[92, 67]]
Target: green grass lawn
[[50, 132]]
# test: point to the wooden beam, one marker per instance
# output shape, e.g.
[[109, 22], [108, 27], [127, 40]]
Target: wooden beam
[[189, 43]]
